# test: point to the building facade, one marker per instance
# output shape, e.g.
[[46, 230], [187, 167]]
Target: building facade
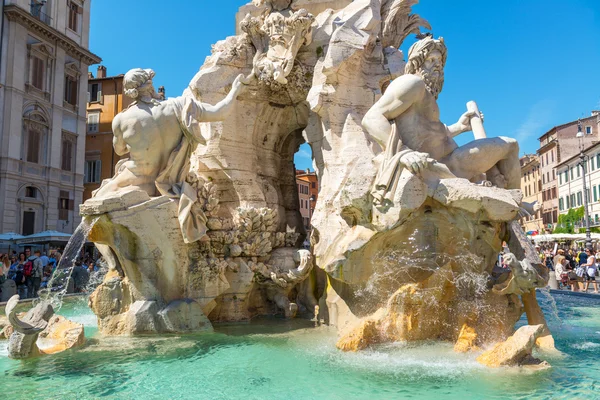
[[531, 186], [570, 180], [44, 59], [304, 199], [558, 144]]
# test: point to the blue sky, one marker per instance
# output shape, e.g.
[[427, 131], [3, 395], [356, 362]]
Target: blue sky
[[529, 64]]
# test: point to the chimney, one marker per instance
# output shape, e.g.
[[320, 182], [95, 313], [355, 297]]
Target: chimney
[[595, 113], [101, 73]]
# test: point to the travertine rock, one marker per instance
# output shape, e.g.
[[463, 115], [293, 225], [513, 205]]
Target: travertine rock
[[61, 334], [516, 350], [184, 316]]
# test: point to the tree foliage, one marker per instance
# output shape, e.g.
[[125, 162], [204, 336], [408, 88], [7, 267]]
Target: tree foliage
[[566, 222]]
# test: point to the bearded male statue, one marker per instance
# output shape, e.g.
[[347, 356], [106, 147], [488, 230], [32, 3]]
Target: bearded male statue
[[160, 137], [405, 121]]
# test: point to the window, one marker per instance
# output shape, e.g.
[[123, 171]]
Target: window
[[73, 15], [578, 172], [31, 192], [64, 205], [579, 199], [33, 145], [71, 90], [567, 175], [314, 185], [93, 122], [94, 92], [552, 154], [573, 200], [568, 203], [554, 216], [544, 179], [595, 194], [592, 163], [68, 144], [588, 130], [92, 171], [553, 193], [553, 175], [560, 204], [547, 176], [546, 158], [560, 179], [37, 72]]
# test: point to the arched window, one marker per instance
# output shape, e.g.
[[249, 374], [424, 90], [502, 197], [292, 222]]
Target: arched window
[[35, 136]]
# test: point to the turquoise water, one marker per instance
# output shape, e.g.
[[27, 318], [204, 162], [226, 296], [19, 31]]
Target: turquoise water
[[277, 359]]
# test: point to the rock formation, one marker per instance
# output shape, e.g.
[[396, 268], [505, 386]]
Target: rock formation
[[40, 331]]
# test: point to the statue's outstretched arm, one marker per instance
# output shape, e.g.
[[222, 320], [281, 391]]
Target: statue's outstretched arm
[[219, 111]]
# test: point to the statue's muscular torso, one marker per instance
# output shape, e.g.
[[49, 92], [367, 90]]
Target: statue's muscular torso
[[417, 117], [149, 133]]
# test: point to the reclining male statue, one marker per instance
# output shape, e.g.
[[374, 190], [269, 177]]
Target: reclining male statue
[[160, 137], [405, 122]]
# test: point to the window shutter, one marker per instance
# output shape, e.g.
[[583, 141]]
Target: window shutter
[[97, 171], [100, 99], [71, 204], [85, 172]]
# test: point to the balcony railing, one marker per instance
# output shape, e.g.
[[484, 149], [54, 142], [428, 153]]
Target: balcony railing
[[36, 11]]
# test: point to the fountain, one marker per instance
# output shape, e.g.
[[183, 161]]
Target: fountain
[[201, 231]]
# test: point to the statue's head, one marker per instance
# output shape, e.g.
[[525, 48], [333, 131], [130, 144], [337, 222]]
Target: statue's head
[[427, 58], [276, 5], [137, 82]]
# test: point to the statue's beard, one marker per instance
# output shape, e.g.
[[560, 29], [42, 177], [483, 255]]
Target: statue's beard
[[433, 83]]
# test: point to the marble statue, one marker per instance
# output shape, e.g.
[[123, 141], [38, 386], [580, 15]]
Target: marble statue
[[416, 138], [159, 137], [277, 36], [279, 283], [40, 331]]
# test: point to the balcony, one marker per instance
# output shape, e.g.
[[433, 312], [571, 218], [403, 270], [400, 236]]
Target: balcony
[[36, 11]]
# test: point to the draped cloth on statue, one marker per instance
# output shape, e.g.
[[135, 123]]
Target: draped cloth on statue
[[172, 180], [390, 168]]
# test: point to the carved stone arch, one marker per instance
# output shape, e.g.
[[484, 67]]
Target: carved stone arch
[[36, 111], [21, 192]]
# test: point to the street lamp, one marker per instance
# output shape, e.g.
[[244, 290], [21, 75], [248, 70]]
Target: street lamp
[[588, 234]]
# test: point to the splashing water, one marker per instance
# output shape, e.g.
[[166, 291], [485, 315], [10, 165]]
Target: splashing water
[[58, 283], [553, 308]]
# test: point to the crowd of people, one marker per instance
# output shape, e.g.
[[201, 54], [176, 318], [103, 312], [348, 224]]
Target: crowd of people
[[574, 269], [33, 270]]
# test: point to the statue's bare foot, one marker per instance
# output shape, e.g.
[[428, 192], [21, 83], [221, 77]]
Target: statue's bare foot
[[497, 179]]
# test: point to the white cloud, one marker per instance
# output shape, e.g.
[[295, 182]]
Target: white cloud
[[303, 154], [537, 119]]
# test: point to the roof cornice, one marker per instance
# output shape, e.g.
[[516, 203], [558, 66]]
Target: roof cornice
[[18, 14]]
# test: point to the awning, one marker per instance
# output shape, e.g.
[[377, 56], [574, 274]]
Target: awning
[[556, 237], [9, 238], [44, 237]]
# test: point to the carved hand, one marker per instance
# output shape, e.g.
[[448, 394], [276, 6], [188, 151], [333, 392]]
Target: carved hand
[[416, 161], [464, 122]]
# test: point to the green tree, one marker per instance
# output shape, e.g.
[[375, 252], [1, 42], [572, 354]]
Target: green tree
[[566, 222]]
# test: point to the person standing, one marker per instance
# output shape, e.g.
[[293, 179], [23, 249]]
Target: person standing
[[590, 270], [19, 276], [45, 259], [36, 274]]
